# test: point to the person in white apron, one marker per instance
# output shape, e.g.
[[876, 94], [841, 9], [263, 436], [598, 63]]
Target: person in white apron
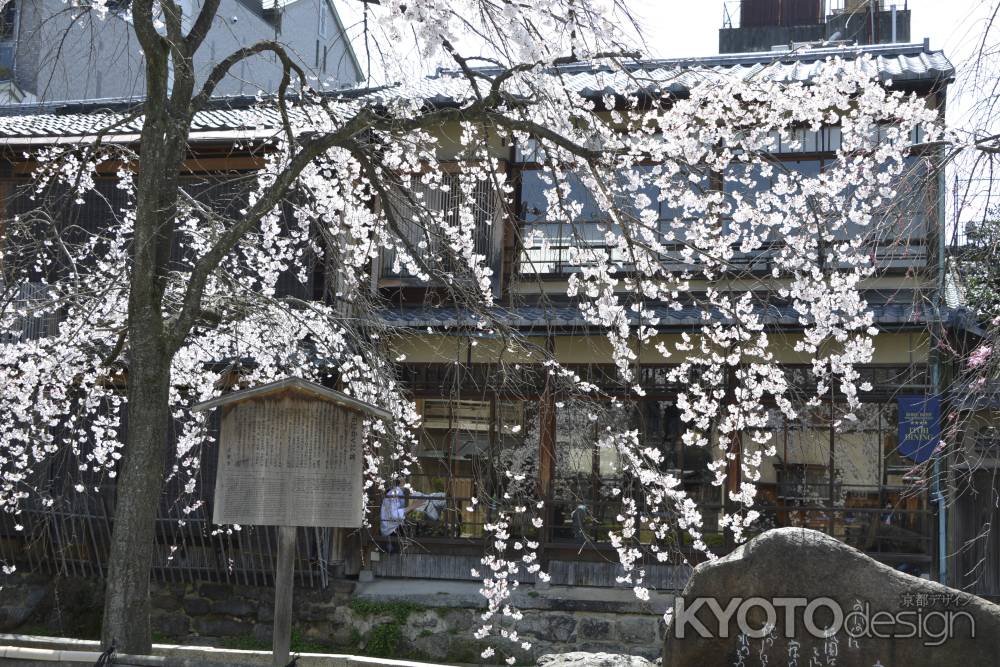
[[393, 513]]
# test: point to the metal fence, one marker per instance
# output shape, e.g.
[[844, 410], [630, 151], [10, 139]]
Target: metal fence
[[75, 540], [28, 303]]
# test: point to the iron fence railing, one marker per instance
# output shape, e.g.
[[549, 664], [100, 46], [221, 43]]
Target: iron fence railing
[[561, 255], [32, 319], [894, 533], [77, 541], [415, 207]]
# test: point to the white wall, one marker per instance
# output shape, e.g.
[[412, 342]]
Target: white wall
[[65, 55]]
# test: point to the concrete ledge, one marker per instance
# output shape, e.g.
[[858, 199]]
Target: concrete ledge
[[466, 595], [36, 650]]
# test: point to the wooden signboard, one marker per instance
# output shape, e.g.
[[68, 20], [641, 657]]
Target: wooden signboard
[[290, 454], [289, 461]]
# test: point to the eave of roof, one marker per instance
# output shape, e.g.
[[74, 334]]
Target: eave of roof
[[905, 65], [244, 118], [568, 318], [299, 386]]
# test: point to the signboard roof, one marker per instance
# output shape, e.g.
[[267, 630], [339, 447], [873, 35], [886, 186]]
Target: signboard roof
[[296, 386]]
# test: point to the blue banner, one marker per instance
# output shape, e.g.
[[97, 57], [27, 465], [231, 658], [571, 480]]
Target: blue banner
[[919, 426]]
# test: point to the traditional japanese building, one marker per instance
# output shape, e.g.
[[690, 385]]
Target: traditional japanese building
[[487, 410], [857, 482]]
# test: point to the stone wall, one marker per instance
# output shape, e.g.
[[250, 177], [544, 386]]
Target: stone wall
[[332, 620]]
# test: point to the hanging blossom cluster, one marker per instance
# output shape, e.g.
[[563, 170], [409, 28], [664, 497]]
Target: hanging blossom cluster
[[66, 396], [812, 235], [825, 222], [405, 184]]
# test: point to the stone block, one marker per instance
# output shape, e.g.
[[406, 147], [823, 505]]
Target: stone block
[[233, 607], [165, 602], [19, 603], [197, 606], [263, 632], [265, 613], [638, 630], [428, 620], [460, 620], [343, 586], [432, 647], [221, 627], [171, 625], [344, 636], [547, 626], [593, 629], [216, 591], [317, 631], [585, 659], [561, 627], [315, 612], [172, 589]]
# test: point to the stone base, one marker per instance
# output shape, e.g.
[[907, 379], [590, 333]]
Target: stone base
[[415, 619]]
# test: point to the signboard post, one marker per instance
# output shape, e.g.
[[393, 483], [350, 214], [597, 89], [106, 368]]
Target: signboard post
[[284, 583], [290, 454]]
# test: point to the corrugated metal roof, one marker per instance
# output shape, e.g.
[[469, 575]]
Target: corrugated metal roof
[[233, 118], [568, 317]]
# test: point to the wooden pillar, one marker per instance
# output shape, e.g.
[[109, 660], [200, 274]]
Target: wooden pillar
[[831, 525], [734, 471], [284, 582], [547, 448], [547, 431], [337, 552], [546, 441]]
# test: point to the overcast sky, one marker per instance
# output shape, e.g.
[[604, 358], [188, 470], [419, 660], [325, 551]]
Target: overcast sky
[[682, 28], [690, 28], [674, 28]]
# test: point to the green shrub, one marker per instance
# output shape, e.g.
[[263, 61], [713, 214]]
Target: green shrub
[[383, 641], [399, 611]]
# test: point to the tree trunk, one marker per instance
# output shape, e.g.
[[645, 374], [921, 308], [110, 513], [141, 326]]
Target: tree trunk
[[126, 605]]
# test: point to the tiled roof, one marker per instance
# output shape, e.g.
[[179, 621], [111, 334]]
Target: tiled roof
[[913, 63], [215, 122], [568, 317], [231, 118]]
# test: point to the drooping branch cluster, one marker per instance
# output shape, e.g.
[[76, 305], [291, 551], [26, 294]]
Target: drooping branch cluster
[[350, 180]]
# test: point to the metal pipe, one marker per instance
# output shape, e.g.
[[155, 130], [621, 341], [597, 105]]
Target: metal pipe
[[936, 367]]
